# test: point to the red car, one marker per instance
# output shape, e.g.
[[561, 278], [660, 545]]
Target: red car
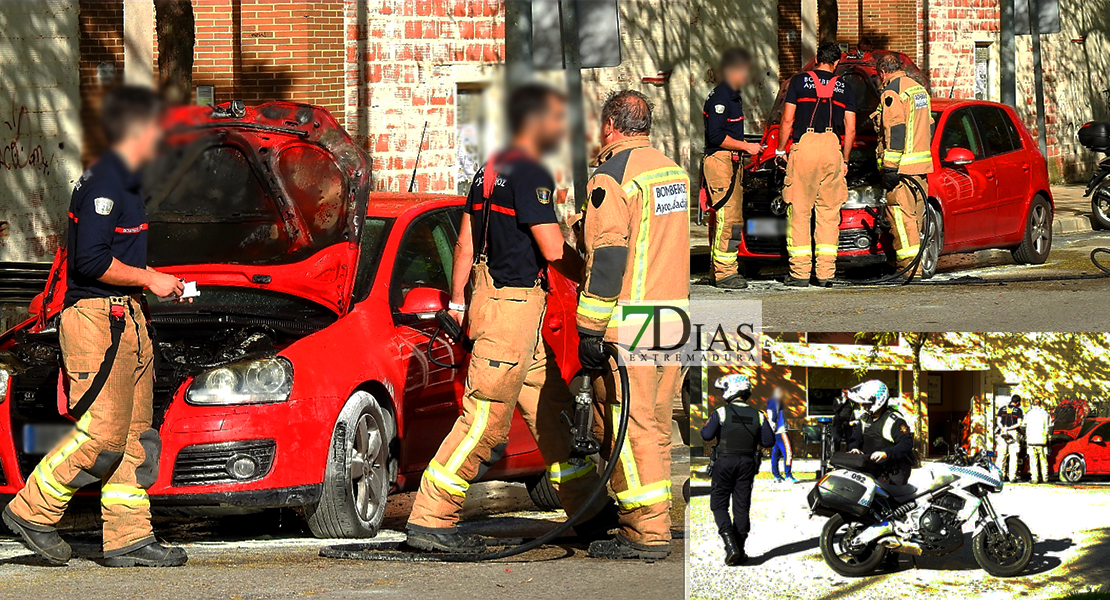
[[989, 188], [1080, 445], [300, 376]]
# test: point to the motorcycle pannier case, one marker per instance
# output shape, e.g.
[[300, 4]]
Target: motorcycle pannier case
[[844, 492], [1095, 136]]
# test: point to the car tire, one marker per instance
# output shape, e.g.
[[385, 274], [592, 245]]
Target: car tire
[[1037, 240], [1072, 468], [360, 471], [542, 493], [934, 243]]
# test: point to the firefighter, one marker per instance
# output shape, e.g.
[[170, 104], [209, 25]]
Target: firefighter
[[107, 354], [741, 432], [636, 236], [508, 238], [721, 167], [1008, 443], [905, 139], [819, 116]]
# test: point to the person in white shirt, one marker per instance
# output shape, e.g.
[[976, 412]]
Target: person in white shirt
[[1038, 427]]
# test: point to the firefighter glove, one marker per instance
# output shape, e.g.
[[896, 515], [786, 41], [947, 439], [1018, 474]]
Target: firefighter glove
[[591, 352], [891, 179]]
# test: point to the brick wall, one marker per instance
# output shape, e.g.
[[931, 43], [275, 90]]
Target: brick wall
[[890, 24], [790, 38], [257, 51], [101, 26]]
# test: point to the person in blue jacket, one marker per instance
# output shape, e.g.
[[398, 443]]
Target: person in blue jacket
[[776, 414]]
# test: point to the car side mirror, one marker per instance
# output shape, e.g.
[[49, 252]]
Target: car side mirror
[[1097, 439], [424, 302], [959, 157]]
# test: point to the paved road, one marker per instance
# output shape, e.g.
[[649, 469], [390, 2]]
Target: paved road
[[271, 556], [1071, 526], [941, 304]]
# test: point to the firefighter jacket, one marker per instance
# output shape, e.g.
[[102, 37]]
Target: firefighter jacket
[[636, 233], [905, 124]]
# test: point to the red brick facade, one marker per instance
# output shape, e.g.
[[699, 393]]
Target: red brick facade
[[889, 24], [101, 24]]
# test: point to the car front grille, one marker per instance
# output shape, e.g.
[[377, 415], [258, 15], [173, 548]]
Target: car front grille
[[208, 464]]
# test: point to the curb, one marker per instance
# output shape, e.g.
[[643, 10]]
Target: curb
[[1072, 224]]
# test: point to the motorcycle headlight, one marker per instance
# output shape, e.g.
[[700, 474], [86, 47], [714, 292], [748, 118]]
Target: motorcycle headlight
[[249, 382], [867, 196]]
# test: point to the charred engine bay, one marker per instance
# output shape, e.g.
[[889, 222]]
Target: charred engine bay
[[188, 351]]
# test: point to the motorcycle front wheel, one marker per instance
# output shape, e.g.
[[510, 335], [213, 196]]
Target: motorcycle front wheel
[[834, 550], [1100, 205], [1003, 555]]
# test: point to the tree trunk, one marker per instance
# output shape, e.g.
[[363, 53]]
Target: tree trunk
[[827, 14], [176, 37]]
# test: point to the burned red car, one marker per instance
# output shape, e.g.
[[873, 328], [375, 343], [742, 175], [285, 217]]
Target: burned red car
[[989, 188], [306, 373]]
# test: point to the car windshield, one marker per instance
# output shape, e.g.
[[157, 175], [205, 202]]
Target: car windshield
[[208, 203]]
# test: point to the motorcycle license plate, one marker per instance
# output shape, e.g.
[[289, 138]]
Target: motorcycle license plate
[[40, 439], [766, 227]]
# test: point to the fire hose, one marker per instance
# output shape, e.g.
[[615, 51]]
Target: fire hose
[[584, 444]]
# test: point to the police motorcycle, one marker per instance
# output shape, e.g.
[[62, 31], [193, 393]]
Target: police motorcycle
[[926, 517], [1095, 136]]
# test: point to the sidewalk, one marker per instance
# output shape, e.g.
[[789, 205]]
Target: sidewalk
[[1073, 215]]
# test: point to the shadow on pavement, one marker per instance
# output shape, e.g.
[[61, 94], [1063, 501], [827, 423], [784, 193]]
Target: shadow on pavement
[[791, 548]]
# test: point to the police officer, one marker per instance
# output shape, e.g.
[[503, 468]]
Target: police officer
[[741, 431], [636, 234], [882, 433], [107, 354], [508, 238], [819, 118], [721, 168], [905, 143], [1008, 443]]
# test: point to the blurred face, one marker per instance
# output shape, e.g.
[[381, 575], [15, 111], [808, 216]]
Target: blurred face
[[778, 394], [144, 138], [551, 128], [737, 76]]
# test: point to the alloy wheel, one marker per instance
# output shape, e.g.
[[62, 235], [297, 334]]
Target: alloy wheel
[[1038, 229], [368, 457]]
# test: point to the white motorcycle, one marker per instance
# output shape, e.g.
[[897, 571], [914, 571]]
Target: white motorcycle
[[926, 517]]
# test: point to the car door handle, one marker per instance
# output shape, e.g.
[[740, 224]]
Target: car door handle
[[1025, 167], [990, 174]]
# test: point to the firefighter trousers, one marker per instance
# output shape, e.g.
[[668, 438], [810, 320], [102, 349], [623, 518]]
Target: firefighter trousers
[[510, 367], [815, 185], [642, 479], [722, 171], [108, 358], [905, 211]]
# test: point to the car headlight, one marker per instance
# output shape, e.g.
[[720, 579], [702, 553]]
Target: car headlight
[[867, 196], [248, 382], [5, 379]]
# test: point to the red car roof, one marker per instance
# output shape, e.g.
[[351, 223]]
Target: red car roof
[[394, 204]]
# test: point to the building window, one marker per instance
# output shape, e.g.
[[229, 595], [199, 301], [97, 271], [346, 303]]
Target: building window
[[472, 133], [825, 385]]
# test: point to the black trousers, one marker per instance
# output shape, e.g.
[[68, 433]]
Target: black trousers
[[733, 477]]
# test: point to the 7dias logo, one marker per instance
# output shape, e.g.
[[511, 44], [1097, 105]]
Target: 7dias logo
[[669, 334]]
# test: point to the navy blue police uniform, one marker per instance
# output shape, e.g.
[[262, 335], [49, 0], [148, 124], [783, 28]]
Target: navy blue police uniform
[[741, 432]]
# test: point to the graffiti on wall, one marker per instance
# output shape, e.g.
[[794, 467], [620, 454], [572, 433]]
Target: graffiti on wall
[[18, 147]]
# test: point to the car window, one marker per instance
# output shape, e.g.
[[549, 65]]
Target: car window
[[374, 233], [1103, 431], [424, 258], [998, 131], [960, 132]]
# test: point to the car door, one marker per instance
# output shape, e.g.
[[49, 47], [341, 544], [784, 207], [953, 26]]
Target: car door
[[968, 192], [1013, 166], [432, 391], [1097, 455]]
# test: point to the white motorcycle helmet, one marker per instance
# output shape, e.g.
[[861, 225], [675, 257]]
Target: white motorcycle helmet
[[872, 395], [734, 385]]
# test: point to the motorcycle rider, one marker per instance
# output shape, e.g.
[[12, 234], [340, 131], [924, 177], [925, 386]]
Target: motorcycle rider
[[882, 433], [1008, 443], [741, 432]]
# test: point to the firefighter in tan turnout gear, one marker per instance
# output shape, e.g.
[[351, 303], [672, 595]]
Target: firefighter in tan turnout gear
[[107, 355], [636, 234], [905, 145], [819, 116], [508, 237]]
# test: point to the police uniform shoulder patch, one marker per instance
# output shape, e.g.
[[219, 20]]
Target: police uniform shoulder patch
[[103, 206], [597, 197], [720, 109], [903, 428], [543, 195]]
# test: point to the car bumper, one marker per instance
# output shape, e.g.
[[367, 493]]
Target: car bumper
[[861, 241]]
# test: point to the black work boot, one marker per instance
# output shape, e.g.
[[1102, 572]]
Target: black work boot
[[792, 281], [444, 540], [732, 282], [734, 549], [598, 526], [618, 547], [41, 539], [149, 555], [824, 283]]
